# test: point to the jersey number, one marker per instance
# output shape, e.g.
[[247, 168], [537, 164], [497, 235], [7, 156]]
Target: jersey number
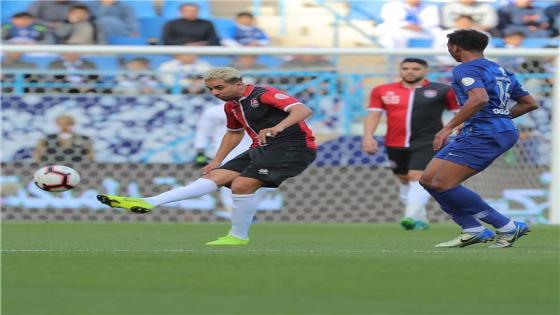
[[503, 92]]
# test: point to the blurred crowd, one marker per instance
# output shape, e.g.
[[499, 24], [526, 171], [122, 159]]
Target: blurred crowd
[[510, 24], [112, 21], [403, 21]]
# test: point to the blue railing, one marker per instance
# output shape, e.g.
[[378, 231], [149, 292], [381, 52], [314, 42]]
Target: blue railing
[[339, 98]]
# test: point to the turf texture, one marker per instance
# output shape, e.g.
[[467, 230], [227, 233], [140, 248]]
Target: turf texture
[[81, 268]]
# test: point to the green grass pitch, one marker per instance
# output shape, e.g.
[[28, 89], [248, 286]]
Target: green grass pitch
[[81, 268]]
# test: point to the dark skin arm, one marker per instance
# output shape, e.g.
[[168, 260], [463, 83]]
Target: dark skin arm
[[477, 99], [524, 105]]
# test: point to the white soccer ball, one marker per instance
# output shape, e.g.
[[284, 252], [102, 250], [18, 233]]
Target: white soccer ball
[[56, 178]]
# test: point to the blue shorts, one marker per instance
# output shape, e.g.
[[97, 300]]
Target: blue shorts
[[478, 151]]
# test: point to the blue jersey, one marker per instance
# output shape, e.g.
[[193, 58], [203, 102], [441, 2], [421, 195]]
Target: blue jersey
[[500, 85]]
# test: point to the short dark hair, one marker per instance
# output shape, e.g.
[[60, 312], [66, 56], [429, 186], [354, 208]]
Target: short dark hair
[[470, 40], [464, 16], [517, 33], [22, 15], [189, 4], [242, 14], [416, 60], [80, 7], [143, 60]]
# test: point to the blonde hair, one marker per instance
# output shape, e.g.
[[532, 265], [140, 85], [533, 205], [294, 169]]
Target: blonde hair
[[70, 119], [227, 74]]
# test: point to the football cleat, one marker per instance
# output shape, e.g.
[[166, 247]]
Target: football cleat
[[136, 205], [229, 240], [506, 239], [466, 239], [408, 223]]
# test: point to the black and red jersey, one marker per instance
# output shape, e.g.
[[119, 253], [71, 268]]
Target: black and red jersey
[[264, 107], [414, 115]]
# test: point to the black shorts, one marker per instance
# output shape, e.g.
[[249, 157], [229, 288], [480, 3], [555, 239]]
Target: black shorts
[[271, 165], [404, 159]]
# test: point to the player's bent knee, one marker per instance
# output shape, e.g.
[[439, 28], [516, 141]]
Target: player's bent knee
[[241, 187], [221, 177], [426, 181], [440, 185]]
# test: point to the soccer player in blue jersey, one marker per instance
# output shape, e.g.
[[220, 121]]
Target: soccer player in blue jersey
[[484, 90]]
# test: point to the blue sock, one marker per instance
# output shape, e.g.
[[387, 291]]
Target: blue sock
[[469, 202], [466, 221]]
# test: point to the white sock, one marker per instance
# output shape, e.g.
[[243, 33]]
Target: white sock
[[510, 226], [403, 192], [417, 198], [199, 187], [244, 209], [477, 229]]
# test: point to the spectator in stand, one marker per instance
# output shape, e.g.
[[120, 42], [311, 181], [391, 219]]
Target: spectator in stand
[[245, 33], [309, 62], [114, 18], [247, 62], [12, 60], [137, 80], [405, 20], [484, 15], [79, 28], [190, 30], [524, 17], [553, 15], [440, 40], [512, 40], [51, 12], [76, 83], [183, 74], [65, 146], [22, 29]]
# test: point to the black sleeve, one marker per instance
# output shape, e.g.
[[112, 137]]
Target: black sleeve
[[504, 19], [211, 36], [167, 38]]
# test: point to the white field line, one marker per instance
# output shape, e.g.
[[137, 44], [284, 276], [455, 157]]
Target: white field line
[[264, 251]]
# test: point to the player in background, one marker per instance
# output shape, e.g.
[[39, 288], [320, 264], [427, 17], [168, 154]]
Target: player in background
[[210, 130], [283, 147], [484, 90], [414, 108]]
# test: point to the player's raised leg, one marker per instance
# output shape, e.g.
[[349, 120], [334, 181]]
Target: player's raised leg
[[200, 187]]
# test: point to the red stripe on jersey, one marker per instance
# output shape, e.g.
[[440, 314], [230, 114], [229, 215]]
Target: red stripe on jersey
[[309, 137], [395, 99]]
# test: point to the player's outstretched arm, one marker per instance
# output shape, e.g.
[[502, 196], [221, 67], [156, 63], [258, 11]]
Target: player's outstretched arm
[[477, 98], [298, 112], [524, 105], [230, 140]]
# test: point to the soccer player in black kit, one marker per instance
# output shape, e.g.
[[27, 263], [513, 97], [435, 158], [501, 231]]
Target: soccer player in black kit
[[283, 147]]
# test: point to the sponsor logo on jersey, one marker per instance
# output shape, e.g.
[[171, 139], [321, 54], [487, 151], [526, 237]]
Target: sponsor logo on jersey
[[254, 103], [430, 93], [500, 111], [391, 98], [281, 96], [467, 81], [263, 171]]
